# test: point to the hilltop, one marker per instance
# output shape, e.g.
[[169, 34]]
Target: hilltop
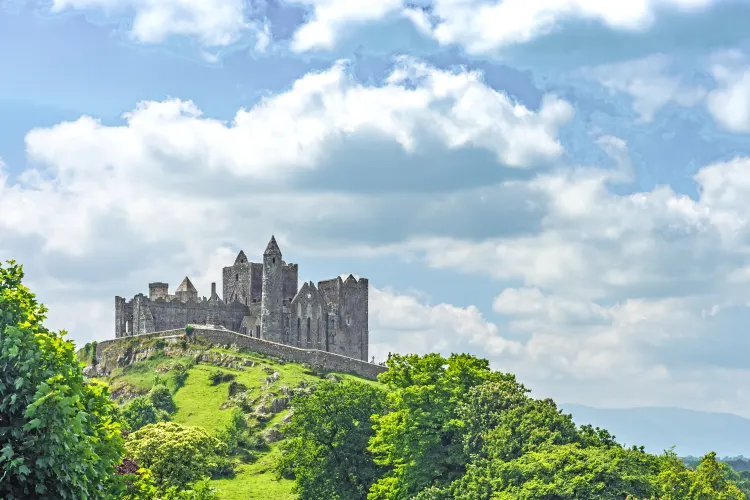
[[208, 382]]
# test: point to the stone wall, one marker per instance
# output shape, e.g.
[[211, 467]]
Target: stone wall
[[319, 359]]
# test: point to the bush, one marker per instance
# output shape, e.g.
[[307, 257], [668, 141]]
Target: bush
[[180, 375], [139, 413], [218, 377], [177, 455], [161, 397]]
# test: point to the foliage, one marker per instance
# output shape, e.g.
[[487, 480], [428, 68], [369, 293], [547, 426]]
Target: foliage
[[189, 331], [177, 455], [420, 438], [48, 413], [711, 480], [217, 377], [564, 472], [326, 441], [161, 398], [139, 412]]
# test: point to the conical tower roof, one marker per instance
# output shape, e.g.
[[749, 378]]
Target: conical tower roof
[[272, 248], [186, 286]]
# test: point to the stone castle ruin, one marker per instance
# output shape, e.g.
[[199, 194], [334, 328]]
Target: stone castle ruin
[[261, 300]]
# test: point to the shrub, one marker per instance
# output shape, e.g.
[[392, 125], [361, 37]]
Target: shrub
[[177, 455], [139, 413], [218, 377], [161, 397]]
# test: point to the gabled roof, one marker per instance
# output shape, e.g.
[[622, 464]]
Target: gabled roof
[[186, 286], [241, 257], [272, 248]]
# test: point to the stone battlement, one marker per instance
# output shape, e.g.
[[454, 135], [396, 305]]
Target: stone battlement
[[322, 360]]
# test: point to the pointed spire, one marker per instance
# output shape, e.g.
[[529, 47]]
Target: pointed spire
[[186, 286], [241, 257], [272, 248]]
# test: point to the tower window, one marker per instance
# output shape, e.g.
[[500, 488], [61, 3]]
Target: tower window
[[308, 330], [274, 260]]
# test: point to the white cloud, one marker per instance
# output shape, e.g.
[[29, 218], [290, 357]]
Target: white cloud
[[648, 82], [405, 324], [729, 103], [167, 150], [484, 27], [330, 17], [214, 23]]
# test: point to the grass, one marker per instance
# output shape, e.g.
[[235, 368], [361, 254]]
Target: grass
[[256, 481], [199, 404]]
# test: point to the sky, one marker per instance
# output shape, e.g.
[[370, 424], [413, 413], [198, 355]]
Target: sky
[[559, 186]]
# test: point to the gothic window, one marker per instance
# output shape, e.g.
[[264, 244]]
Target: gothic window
[[299, 330], [274, 260], [257, 331], [332, 333], [127, 327], [308, 330], [236, 277]]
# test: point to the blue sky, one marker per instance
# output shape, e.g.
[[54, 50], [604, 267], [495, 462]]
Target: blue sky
[[559, 186]]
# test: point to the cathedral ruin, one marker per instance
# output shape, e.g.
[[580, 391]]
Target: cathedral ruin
[[262, 300]]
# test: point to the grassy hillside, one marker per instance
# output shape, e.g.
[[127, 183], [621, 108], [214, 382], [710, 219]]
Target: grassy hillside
[[203, 403]]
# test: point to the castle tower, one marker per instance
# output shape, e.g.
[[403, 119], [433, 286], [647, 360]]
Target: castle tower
[[186, 291], [213, 308], [271, 319]]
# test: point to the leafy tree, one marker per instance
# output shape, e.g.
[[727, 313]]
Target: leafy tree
[[326, 441], [161, 397], [502, 422], [59, 435], [563, 472], [420, 438], [177, 455], [140, 412]]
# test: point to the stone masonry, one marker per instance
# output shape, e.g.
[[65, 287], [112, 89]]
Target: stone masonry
[[260, 300]]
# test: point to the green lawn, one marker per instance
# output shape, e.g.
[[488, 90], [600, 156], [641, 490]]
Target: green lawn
[[256, 481]]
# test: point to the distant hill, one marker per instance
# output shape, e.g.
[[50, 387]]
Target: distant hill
[[692, 432]]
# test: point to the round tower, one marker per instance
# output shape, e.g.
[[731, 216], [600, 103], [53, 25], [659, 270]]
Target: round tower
[[271, 315]]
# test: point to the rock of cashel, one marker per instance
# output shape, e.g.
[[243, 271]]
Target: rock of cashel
[[262, 305]]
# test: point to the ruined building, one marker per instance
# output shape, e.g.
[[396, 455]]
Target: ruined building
[[262, 300]]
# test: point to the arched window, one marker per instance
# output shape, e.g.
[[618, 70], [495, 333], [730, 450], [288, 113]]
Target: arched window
[[257, 331], [308, 330], [299, 330]]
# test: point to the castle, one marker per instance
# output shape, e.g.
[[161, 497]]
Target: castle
[[261, 300]]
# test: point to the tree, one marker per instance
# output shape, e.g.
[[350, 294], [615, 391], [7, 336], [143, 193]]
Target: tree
[[59, 435], [420, 438], [326, 441], [161, 397], [139, 412], [177, 455], [564, 472]]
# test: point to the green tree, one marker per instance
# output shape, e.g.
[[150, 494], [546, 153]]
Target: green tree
[[139, 412], [59, 435], [420, 438], [326, 441], [161, 397], [566, 472], [177, 455]]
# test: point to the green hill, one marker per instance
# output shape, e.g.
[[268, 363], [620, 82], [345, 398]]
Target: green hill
[[200, 377]]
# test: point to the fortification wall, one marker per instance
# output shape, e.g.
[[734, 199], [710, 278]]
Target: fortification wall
[[320, 359]]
